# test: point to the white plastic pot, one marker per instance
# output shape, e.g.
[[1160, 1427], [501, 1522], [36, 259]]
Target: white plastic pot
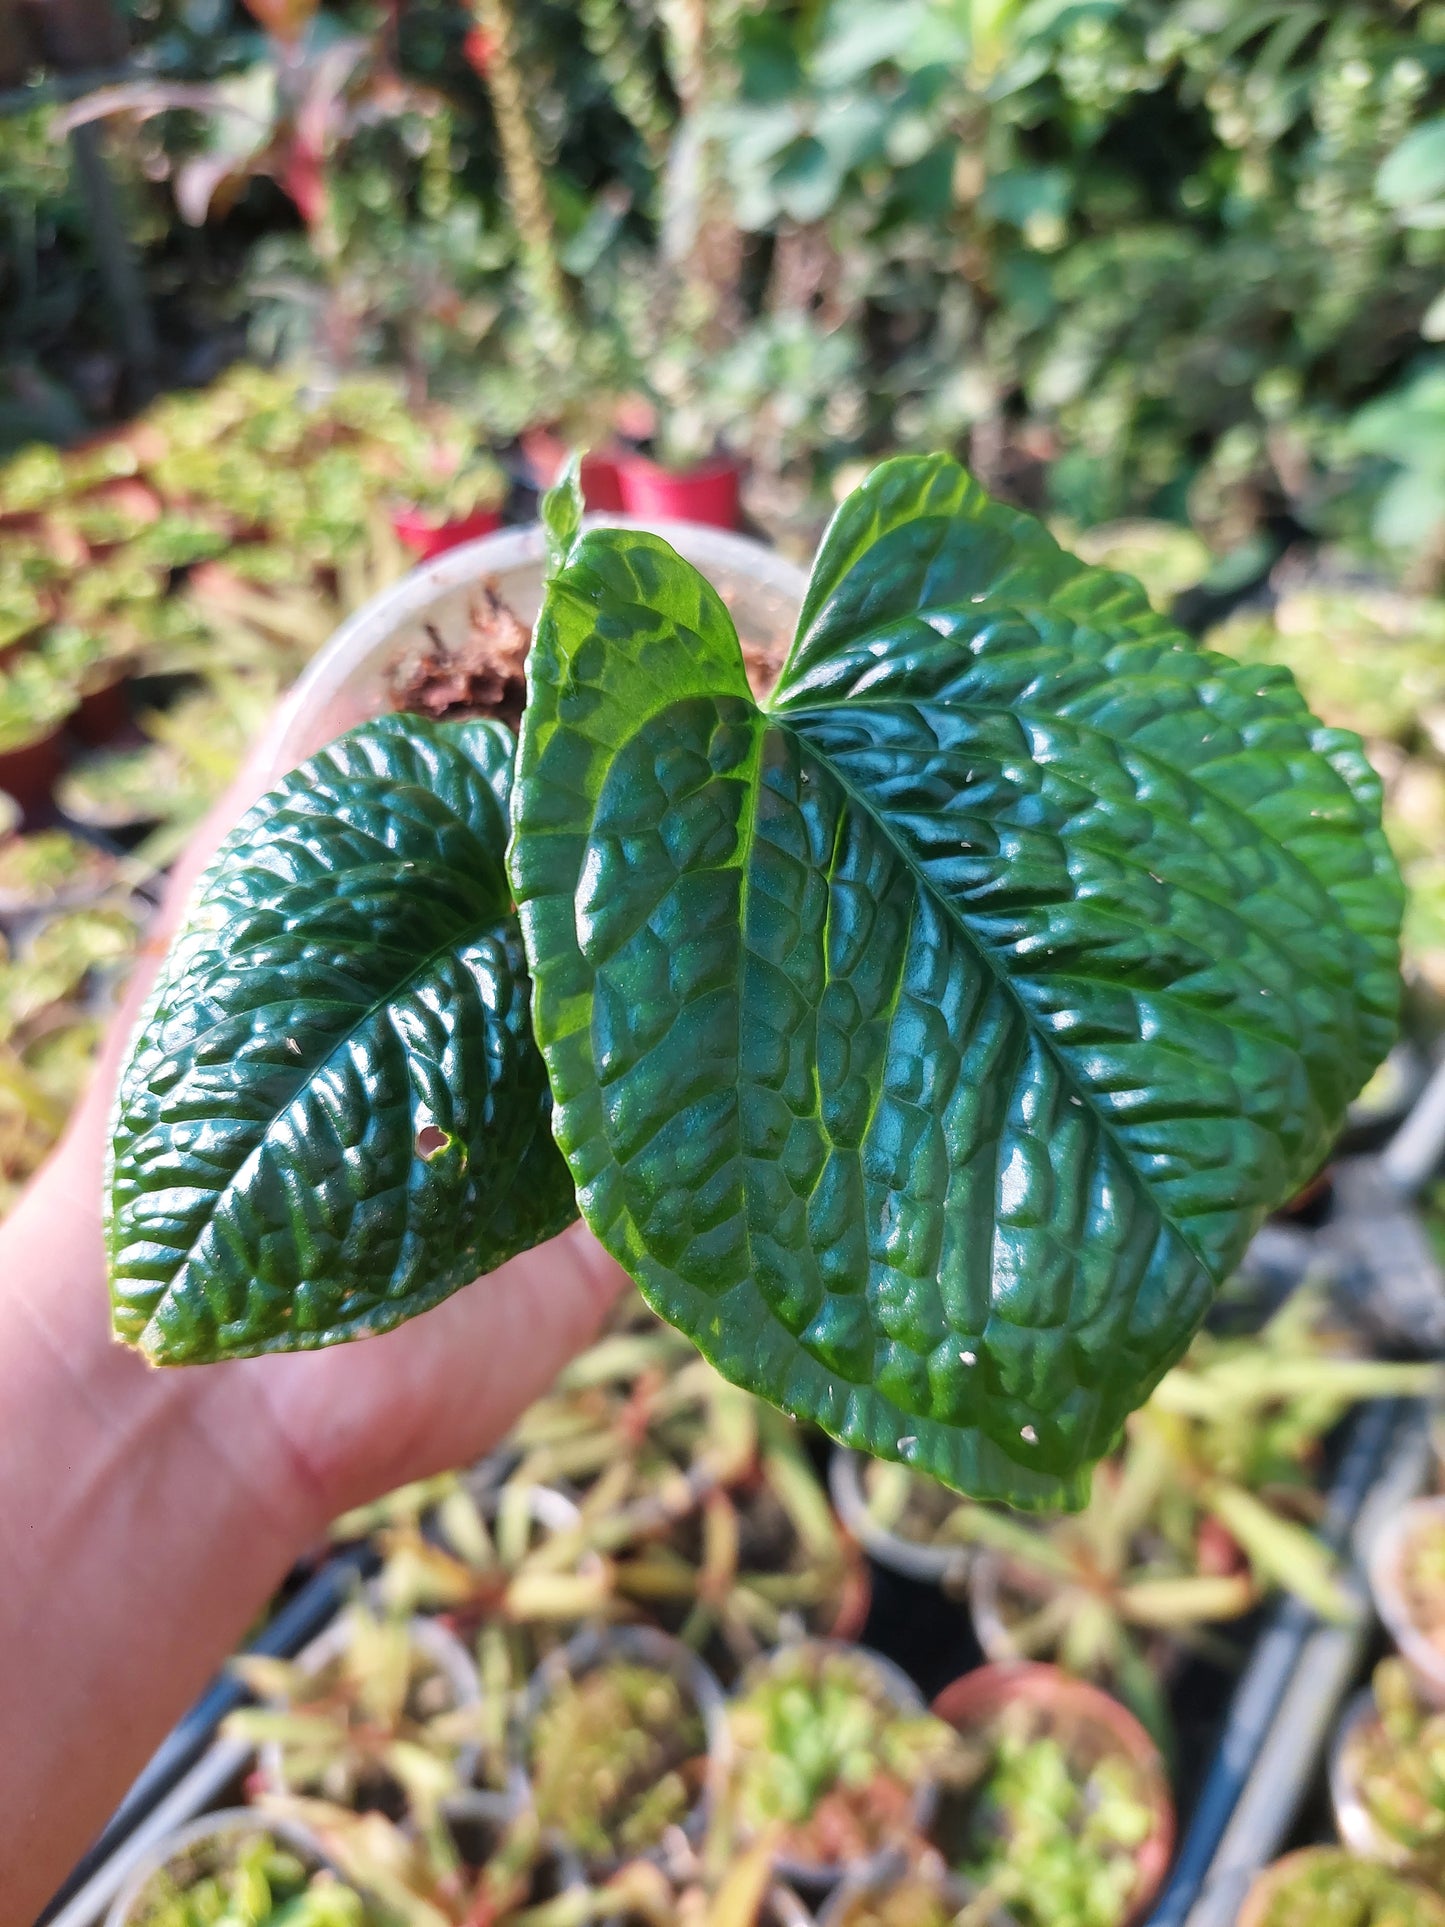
[[1354, 1822], [226, 1828], [945, 1566], [637, 1646], [349, 680], [1425, 1659], [441, 1650]]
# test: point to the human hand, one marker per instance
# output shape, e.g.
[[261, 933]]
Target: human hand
[[146, 1514]]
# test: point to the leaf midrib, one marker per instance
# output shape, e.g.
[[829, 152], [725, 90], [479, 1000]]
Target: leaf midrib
[[1357, 944], [1005, 980], [307, 1075]]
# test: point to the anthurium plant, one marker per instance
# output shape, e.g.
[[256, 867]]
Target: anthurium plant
[[927, 1040]]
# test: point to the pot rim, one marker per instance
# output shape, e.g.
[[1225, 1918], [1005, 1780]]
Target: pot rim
[[975, 1699], [936, 1565], [709, 469], [1270, 1879], [1425, 1659], [406, 604]]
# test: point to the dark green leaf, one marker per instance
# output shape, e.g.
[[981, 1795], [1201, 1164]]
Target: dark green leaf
[[929, 1044], [334, 1114]]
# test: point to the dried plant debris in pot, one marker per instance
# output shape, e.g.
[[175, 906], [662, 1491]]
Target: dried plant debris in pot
[[480, 675], [1052, 1839], [616, 1757], [928, 1042], [827, 1760]]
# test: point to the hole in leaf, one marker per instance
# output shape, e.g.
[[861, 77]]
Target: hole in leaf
[[431, 1141]]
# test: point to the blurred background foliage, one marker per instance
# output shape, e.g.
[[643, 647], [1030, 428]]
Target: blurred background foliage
[[1182, 257]]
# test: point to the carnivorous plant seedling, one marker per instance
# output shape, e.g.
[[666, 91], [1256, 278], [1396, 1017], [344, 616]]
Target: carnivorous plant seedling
[[927, 1041]]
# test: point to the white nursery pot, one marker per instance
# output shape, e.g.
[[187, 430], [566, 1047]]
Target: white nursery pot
[[349, 681]]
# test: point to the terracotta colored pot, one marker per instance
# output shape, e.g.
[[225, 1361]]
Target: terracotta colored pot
[[30, 771], [708, 493], [546, 451], [1090, 1726], [102, 714], [425, 535]]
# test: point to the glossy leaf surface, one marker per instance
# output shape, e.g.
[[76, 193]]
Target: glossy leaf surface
[[930, 1043], [334, 1114]]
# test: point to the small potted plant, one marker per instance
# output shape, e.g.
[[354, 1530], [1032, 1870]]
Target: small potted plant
[[34, 707], [926, 1895], [836, 1758], [686, 475], [1407, 1579], [242, 1869], [1330, 1887], [478, 1858], [749, 1568], [787, 1185], [50, 870], [507, 1570], [546, 450], [1387, 1774], [94, 660], [622, 1738], [1061, 1813], [378, 1711]]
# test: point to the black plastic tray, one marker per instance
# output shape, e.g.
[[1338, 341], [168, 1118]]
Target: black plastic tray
[[1268, 1752]]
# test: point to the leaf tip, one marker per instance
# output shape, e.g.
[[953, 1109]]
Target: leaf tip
[[562, 513]]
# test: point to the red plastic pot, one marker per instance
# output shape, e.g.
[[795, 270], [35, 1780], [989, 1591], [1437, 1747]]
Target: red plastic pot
[[546, 451], [31, 771], [1090, 1726], [103, 714], [426, 536], [708, 493]]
